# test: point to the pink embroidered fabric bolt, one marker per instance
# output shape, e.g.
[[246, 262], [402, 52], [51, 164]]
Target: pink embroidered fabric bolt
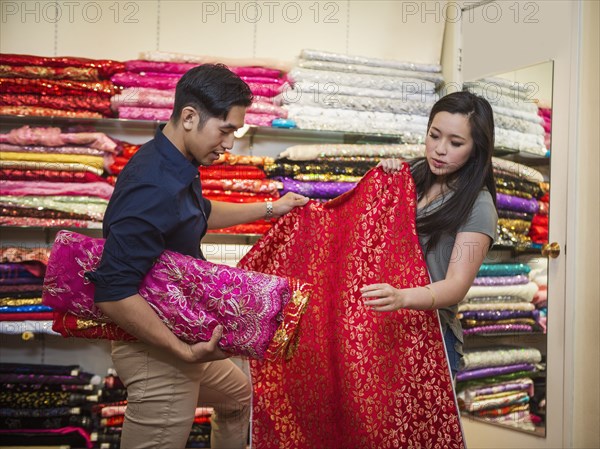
[[191, 296]]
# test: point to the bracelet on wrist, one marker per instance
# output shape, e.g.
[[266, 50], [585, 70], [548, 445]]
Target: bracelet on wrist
[[269, 212], [432, 306]]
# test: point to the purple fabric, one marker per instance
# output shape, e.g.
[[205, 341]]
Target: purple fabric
[[315, 189], [495, 314], [15, 270], [498, 328], [39, 378], [493, 371], [21, 280], [515, 203], [508, 386], [191, 296], [501, 280]]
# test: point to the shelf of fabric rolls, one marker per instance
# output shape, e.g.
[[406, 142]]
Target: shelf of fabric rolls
[[539, 431], [251, 131], [50, 231], [516, 250]]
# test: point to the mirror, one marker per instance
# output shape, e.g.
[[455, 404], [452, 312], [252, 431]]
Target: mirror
[[503, 378]]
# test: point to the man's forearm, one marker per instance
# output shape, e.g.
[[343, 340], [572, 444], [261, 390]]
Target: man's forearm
[[134, 315], [224, 214]]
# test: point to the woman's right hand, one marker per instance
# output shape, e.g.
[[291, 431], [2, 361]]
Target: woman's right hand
[[390, 165]]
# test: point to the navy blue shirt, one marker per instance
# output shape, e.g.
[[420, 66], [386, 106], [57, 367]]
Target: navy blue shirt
[[157, 204]]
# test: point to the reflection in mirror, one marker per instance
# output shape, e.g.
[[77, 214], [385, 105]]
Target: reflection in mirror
[[502, 380]]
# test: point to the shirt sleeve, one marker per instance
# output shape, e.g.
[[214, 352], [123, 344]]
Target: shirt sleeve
[[483, 217], [207, 207], [135, 239]]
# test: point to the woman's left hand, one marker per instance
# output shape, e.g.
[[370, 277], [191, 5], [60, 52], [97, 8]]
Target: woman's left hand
[[383, 297], [287, 202]]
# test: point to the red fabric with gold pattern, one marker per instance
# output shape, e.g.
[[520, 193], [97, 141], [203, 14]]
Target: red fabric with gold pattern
[[359, 379]]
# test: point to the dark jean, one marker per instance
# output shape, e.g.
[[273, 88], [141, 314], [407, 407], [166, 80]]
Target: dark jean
[[453, 357]]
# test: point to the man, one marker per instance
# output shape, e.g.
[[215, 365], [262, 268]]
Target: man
[[157, 205]]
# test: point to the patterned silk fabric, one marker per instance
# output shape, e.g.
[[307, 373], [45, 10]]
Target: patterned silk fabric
[[359, 379], [191, 296]]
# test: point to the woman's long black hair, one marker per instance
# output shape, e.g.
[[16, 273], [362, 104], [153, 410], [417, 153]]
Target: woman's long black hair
[[467, 182]]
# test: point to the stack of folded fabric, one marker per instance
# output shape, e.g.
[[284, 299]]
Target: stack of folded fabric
[[110, 414], [539, 275], [518, 190], [337, 92], [499, 301], [200, 433], [56, 86], [538, 231], [21, 276], [149, 86], [545, 112], [125, 151], [46, 405], [518, 126], [325, 171], [240, 179], [54, 178], [496, 384]]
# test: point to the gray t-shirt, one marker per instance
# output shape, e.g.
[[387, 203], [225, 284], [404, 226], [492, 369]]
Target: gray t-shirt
[[483, 219]]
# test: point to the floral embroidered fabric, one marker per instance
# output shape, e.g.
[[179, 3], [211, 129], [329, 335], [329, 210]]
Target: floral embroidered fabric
[[358, 378], [191, 296]]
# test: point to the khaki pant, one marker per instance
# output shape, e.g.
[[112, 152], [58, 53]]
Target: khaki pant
[[163, 393]]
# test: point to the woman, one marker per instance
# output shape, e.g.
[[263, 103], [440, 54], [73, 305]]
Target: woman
[[456, 213]]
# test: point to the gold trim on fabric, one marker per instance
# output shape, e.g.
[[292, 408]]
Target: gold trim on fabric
[[285, 341], [20, 301]]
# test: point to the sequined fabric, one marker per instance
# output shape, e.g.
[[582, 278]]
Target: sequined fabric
[[313, 152], [57, 73], [359, 379], [42, 149], [57, 87], [64, 102], [46, 112], [315, 189], [105, 67]]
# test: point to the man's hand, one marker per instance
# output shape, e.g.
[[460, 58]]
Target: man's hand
[[208, 351]]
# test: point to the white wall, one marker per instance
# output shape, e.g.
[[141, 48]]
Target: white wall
[[404, 30], [502, 37], [586, 355]]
